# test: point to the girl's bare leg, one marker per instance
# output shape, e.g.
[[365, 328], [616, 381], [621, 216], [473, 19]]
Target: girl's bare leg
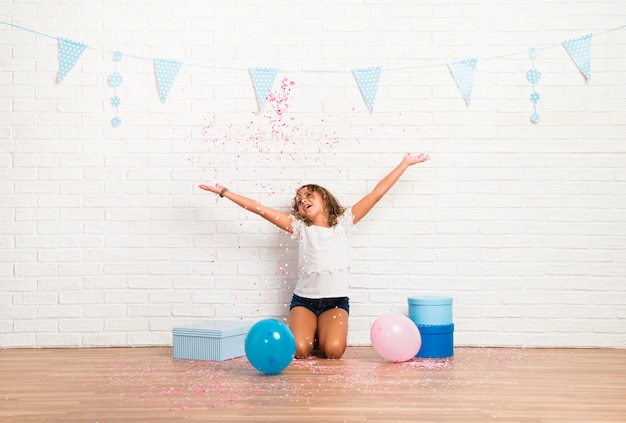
[[332, 332], [303, 324]]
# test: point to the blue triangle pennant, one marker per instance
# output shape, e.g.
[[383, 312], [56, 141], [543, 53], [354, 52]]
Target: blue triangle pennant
[[367, 79], [166, 71], [463, 73], [263, 81], [69, 53], [579, 50]]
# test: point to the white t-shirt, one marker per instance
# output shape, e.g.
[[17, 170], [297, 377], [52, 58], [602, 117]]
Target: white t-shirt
[[323, 258]]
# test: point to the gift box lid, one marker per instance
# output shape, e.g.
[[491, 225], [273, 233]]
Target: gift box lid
[[435, 329], [214, 328], [429, 301]]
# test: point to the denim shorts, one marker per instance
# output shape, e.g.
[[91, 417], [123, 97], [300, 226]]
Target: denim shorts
[[320, 305]]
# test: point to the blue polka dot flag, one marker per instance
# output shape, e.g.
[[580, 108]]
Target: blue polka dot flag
[[166, 71], [263, 81], [463, 73], [69, 53], [579, 50], [367, 80]]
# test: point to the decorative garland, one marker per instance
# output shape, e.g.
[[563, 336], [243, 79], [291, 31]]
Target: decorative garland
[[367, 79]]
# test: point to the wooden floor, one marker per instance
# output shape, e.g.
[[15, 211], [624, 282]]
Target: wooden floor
[[476, 385]]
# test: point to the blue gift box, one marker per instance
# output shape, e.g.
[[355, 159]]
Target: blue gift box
[[437, 341], [433, 317], [215, 340]]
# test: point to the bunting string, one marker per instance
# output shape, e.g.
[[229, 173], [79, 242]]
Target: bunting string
[[367, 79], [246, 69]]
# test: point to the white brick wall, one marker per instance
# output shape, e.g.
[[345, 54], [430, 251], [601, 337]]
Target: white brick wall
[[105, 239]]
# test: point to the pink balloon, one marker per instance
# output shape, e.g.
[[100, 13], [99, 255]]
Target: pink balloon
[[395, 337]]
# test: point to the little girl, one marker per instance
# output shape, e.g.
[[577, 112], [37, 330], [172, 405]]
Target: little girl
[[322, 226]]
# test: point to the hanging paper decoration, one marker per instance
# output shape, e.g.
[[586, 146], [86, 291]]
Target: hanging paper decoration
[[463, 73], [166, 71], [367, 80], [579, 49], [263, 81], [69, 53], [115, 80], [533, 76]]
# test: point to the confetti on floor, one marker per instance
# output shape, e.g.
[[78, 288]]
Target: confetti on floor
[[475, 385], [187, 385]]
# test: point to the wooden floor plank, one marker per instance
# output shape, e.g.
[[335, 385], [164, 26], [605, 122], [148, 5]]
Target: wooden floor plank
[[476, 385]]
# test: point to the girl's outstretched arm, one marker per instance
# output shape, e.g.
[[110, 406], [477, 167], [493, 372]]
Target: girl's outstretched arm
[[280, 219], [364, 205]]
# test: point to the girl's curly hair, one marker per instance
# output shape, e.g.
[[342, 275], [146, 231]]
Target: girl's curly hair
[[332, 207]]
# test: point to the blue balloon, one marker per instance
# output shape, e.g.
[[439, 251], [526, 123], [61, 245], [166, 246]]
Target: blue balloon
[[270, 346]]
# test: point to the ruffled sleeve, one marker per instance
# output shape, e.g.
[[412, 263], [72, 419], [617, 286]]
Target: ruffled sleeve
[[296, 227]]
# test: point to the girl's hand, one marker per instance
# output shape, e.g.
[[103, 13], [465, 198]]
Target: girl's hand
[[214, 189], [411, 159]]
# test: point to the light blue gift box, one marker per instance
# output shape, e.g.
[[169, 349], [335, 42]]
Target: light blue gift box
[[429, 311], [215, 340]]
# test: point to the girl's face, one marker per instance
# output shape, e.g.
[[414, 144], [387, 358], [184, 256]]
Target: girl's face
[[311, 204]]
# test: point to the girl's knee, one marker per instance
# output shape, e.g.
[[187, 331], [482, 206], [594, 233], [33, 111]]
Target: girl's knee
[[303, 348], [334, 349]]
